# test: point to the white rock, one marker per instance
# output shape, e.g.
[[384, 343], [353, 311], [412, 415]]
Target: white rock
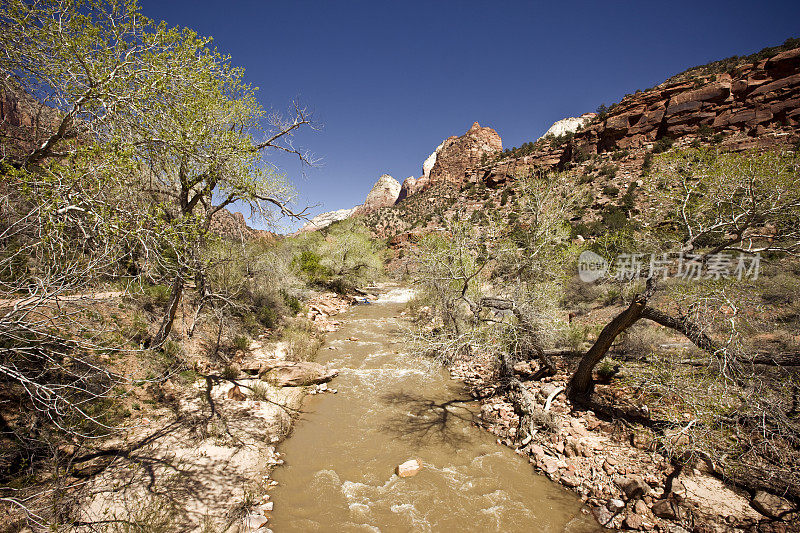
[[409, 468], [569, 125], [326, 219], [427, 166]]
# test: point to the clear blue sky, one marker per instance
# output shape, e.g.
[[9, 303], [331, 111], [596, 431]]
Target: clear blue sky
[[390, 80]]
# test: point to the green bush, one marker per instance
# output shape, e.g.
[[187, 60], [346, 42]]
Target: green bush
[[663, 144], [780, 289], [310, 264], [267, 316], [610, 190], [647, 163], [241, 342], [608, 171], [292, 303]]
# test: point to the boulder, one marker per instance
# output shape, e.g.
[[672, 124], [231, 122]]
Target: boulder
[[633, 486], [409, 468], [297, 374], [666, 509], [633, 521], [236, 394], [771, 505]]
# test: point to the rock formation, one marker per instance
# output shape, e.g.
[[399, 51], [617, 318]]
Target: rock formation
[[326, 219], [232, 225], [383, 194], [427, 165], [408, 185], [569, 125], [451, 159], [760, 99], [24, 121]]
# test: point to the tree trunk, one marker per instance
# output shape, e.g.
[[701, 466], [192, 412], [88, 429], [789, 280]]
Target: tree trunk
[[692, 331], [581, 383], [172, 308]]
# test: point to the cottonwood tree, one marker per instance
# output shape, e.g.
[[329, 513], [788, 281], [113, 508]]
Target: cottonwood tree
[[139, 134], [495, 287], [64, 231], [745, 203], [734, 412], [202, 148], [107, 74]]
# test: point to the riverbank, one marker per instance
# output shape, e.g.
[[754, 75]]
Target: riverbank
[[199, 453], [614, 466]]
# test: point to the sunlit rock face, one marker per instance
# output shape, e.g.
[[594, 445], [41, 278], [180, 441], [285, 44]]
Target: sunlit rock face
[[569, 125], [326, 219], [383, 194], [451, 159]]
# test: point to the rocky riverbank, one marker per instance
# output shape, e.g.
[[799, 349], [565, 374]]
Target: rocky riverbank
[[616, 469], [201, 457]]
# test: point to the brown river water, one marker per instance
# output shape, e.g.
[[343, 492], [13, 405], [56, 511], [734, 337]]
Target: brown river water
[[391, 407]]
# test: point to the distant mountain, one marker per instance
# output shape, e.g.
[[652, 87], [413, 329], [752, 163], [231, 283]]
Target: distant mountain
[[735, 104]]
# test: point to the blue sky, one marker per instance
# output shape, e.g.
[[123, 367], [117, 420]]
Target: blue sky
[[389, 81]]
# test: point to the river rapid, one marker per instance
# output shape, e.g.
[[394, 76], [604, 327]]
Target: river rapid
[[391, 407]]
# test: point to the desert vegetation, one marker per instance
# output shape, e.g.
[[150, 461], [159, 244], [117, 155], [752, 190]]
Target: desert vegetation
[[679, 355], [115, 284]]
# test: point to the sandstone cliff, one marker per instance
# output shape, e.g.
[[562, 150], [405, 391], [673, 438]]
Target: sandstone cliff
[[569, 125], [24, 121], [735, 104], [384, 193], [454, 157]]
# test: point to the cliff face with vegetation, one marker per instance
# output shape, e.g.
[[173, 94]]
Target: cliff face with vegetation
[[735, 104]]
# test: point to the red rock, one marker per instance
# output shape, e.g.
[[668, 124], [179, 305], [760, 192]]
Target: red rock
[[633, 521], [236, 394]]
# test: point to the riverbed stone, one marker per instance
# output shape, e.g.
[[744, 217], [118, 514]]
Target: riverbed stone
[[409, 468], [666, 509], [298, 374], [633, 521], [771, 505], [633, 486]]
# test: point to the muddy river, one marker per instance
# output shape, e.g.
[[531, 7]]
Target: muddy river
[[392, 407]]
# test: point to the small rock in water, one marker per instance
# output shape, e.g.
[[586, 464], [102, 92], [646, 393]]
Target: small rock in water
[[409, 468]]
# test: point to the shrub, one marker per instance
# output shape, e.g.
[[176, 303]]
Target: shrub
[[267, 316], [705, 131], [608, 170], [301, 341], [241, 342], [620, 154], [293, 303], [309, 263], [259, 392], [606, 369], [577, 291], [610, 190], [663, 144], [647, 163], [641, 340], [574, 336], [779, 289]]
